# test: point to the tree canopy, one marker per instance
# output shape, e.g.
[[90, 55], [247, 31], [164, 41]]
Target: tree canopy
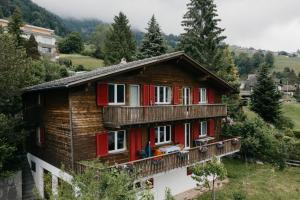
[[32, 48], [72, 43]]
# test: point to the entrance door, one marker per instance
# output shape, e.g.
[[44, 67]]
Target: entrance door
[[187, 135], [134, 98], [186, 96]]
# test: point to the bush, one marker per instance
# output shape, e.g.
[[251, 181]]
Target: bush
[[65, 61], [79, 68], [239, 196], [262, 141]]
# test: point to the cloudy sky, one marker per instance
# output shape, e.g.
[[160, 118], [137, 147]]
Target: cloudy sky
[[265, 24]]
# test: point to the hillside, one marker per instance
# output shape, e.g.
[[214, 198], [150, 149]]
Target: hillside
[[283, 61]]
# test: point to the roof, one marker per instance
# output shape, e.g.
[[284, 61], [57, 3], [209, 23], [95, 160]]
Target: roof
[[116, 69], [289, 88], [30, 26]]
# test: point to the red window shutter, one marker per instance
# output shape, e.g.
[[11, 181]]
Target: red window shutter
[[152, 94], [196, 129], [102, 94], [42, 135], [211, 127], [211, 95], [152, 137], [179, 133], [176, 92], [139, 145], [102, 144], [132, 142], [146, 95], [196, 95]]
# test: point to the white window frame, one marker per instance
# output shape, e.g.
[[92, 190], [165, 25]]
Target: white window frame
[[157, 132], [38, 136], [187, 126], [166, 99], [201, 127], [203, 95], [186, 100], [116, 94], [116, 150]]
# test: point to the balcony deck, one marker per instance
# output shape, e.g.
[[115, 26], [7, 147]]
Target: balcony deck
[[159, 164], [115, 117]]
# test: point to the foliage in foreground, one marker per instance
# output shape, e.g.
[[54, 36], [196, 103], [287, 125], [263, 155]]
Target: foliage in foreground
[[262, 141], [208, 173]]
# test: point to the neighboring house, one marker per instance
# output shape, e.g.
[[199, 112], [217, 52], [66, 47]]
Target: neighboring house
[[122, 114], [288, 90], [44, 37]]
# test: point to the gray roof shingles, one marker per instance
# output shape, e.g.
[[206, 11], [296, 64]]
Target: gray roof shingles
[[101, 72]]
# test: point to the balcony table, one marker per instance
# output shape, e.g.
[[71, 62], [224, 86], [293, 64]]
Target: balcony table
[[170, 149]]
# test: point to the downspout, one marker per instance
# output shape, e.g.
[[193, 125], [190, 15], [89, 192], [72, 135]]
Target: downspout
[[71, 131]]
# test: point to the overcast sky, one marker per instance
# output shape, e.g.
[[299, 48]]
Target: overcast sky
[[265, 24]]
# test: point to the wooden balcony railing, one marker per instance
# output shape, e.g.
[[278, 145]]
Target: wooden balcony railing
[[116, 117], [159, 164]]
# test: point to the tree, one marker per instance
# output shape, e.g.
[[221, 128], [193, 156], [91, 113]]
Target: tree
[[265, 97], [168, 195], [98, 36], [98, 182], [257, 59], [202, 39], [15, 24], [243, 62], [120, 41], [32, 48], [213, 170], [72, 43], [269, 58], [153, 43]]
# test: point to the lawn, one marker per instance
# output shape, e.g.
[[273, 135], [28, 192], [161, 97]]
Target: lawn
[[88, 62], [292, 110], [258, 182], [282, 61]]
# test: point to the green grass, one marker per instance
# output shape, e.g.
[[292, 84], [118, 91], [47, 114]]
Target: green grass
[[292, 111], [258, 182], [282, 61], [88, 62]]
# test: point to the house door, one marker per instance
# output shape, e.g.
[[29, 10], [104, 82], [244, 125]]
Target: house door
[[134, 98], [186, 96], [187, 135]]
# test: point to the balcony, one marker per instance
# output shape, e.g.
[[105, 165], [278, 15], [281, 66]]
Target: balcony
[[163, 163], [115, 117]]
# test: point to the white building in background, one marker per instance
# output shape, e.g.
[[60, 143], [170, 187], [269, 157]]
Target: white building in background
[[44, 37]]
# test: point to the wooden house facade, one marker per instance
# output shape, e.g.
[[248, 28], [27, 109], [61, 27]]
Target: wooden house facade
[[129, 114]]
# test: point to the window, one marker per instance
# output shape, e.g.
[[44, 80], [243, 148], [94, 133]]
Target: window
[[203, 95], [162, 95], [162, 134], [203, 128], [116, 94], [186, 96], [116, 141]]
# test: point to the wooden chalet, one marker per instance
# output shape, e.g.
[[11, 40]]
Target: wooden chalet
[[167, 106]]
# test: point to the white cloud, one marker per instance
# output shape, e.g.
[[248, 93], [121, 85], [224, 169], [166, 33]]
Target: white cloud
[[267, 24]]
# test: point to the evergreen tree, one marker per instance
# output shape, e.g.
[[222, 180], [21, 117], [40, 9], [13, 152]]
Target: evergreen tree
[[120, 41], [32, 48], [265, 97], [15, 24], [202, 39], [153, 42]]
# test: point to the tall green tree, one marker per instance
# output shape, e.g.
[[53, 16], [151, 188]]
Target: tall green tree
[[265, 97], [153, 43], [120, 42], [15, 24], [32, 48], [202, 39], [269, 58]]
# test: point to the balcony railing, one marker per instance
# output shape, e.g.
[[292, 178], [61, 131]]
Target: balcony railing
[[163, 163], [116, 117]]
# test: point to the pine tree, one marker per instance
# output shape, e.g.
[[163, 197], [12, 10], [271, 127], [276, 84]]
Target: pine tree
[[202, 39], [153, 43], [32, 48], [15, 24], [265, 97], [120, 41]]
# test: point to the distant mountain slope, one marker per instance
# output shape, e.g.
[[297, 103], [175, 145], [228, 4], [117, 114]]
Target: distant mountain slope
[[33, 14]]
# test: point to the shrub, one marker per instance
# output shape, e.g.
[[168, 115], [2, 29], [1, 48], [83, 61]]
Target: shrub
[[65, 61], [239, 196]]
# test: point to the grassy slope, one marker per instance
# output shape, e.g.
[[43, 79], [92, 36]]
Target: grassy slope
[[87, 61], [260, 182], [282, 61], [292, 110]]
